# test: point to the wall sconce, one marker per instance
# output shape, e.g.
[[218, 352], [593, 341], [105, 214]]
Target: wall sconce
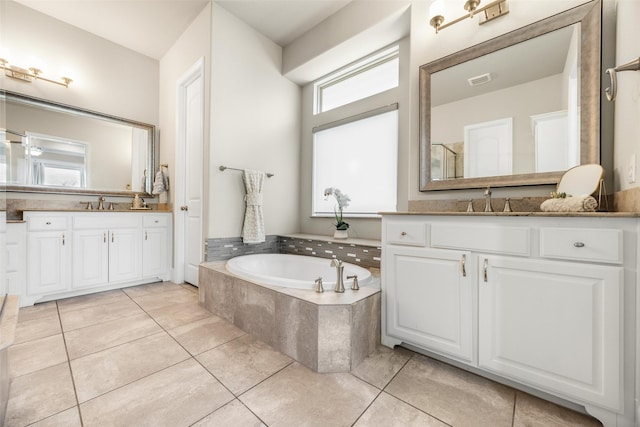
[[30, 74], [493, 10]]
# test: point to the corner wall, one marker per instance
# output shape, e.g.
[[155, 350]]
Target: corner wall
[[255, 124]]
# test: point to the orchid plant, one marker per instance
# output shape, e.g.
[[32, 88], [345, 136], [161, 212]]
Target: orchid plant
[[343, 202]]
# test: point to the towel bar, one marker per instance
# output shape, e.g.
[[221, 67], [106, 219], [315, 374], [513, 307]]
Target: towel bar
[[223, 168]]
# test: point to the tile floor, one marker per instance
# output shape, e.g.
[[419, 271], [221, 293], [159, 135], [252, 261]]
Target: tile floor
[[152, 356]]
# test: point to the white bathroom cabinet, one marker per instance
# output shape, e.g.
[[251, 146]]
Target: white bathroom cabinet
[[74, 253], [546, 304]]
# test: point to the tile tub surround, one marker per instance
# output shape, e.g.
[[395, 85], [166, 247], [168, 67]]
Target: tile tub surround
[[362, 252], [327, 332]]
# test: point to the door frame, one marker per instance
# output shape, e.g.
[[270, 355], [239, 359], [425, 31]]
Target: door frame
[[196, 71]]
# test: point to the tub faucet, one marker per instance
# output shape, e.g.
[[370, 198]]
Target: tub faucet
[[339, 270], [101, 203], [487, 203], [318, 285], [355, 286]]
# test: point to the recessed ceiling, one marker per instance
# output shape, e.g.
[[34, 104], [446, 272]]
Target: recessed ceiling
[[283, 21], [151, 27]]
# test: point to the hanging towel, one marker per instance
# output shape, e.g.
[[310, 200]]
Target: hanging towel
[[160, 183], [253, 228]]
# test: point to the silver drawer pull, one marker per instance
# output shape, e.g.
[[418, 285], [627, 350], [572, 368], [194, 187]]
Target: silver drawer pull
[[48, 223], [485, 267], [404, 233], [578, 245]]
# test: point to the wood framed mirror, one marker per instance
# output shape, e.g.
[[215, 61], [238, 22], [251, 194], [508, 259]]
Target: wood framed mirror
[[495, 98]]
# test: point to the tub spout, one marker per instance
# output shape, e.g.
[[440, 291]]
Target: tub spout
[[339, 271]]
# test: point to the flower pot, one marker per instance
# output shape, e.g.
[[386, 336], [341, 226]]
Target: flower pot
[[341, 234]]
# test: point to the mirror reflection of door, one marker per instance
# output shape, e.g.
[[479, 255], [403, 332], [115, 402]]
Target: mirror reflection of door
[[488, 148]]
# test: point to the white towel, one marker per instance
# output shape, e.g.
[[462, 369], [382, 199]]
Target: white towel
[[570, 204], [253, 227], [160, 183]]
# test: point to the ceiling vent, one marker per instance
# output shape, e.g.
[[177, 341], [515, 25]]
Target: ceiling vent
[[479, 80]]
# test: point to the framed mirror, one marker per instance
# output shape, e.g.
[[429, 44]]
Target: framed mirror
[[56, 148], [516, 110]]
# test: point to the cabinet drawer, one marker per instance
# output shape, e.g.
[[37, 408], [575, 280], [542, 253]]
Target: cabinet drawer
[[106, 221], [156, 221], [406, 233], [482, 238], [597, 245], [47, 223]]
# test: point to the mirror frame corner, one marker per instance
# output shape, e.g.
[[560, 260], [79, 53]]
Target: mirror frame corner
[[589, 16]]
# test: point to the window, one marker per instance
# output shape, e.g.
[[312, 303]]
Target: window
[[365, 78], [357, 153], [360, 158]]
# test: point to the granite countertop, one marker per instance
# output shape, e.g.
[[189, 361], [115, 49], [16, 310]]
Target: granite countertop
[[536, 214], [92, 210]]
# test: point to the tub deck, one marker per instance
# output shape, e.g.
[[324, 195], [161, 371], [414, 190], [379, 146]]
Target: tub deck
[[326, 332]]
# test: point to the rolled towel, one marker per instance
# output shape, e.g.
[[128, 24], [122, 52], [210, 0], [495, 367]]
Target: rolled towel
[[160, 183], [570, 204]]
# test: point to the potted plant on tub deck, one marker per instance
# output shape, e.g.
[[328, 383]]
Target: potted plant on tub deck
[[343, 202]]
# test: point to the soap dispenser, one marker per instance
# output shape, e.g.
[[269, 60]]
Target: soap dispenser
[[137, 203]]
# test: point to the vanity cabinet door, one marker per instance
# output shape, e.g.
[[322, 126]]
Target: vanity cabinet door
[[429, 299], [125, 254], [554, 325], [155, 244], [90, 258], [48, 262]]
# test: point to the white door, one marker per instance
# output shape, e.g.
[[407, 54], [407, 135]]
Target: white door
[[488, 148], [554, 325], [125, 255], [430, 300], [90, 258], [189, 160]]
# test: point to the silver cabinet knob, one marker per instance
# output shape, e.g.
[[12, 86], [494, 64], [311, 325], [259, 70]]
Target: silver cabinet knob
[[184, 208], [578, 244], [404, 233]]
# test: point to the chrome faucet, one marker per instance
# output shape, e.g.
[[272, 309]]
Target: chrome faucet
[[101, 203], [339, 271], [487, 203]]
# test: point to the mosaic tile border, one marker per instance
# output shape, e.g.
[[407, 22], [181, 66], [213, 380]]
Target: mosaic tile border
[[222, 249]]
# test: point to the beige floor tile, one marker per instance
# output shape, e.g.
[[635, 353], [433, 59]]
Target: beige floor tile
[[387, 411], [39, 395], [91, 300], [68, 418], [36, 354], [39, 327], [174, 397], [136, 291], [84, 317], [379, 368], [297, 396], [205, 334], [243, 363], [92, 339], [452, 395], [232, 414], [179, 314], [104, 371], [39, 310], [534, 412], [157, 300]]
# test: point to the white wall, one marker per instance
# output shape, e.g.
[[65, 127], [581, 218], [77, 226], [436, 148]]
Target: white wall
[[627, 103], [105, 75], [255, 124]]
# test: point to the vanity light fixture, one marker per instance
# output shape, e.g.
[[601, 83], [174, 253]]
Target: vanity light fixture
[[30, 74], [493, 10]]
